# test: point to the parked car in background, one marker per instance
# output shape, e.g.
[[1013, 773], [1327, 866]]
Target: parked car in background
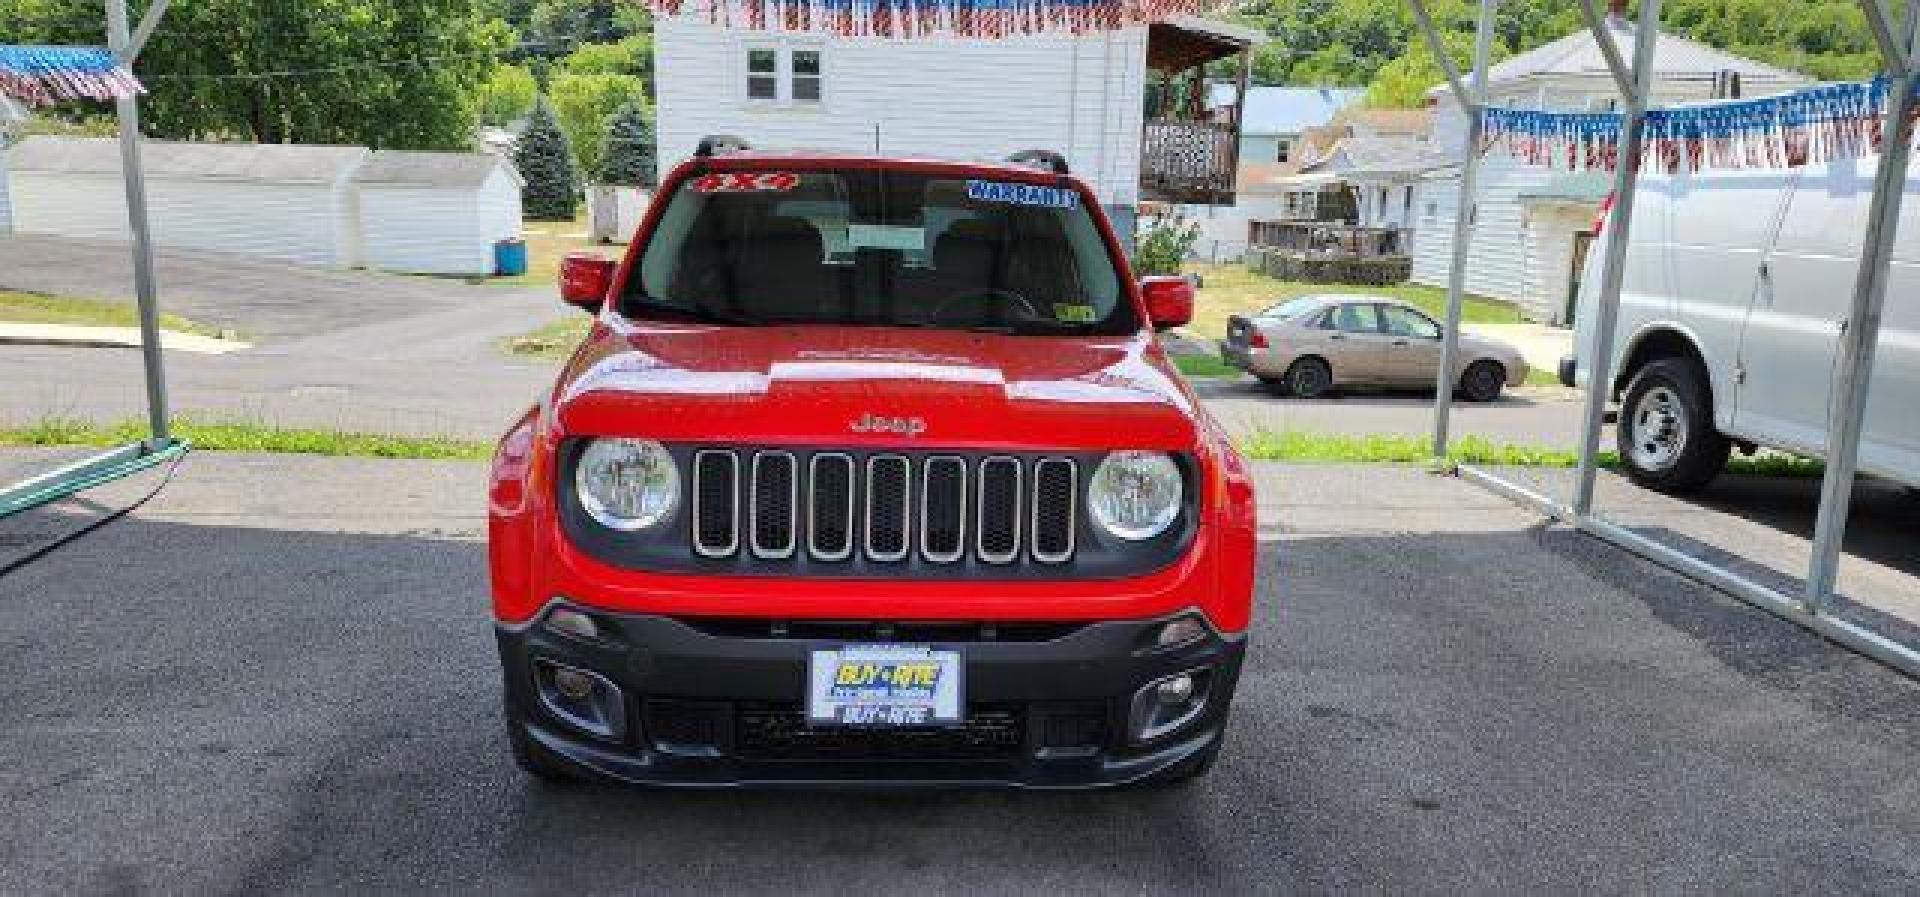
[[1310, 345], [1737, 287]]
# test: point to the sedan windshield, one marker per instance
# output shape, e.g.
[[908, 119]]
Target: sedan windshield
[[880, 248]]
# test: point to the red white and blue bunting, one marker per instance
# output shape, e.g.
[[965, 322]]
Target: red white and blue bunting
[[1818, 124], [927, 18], [40, 76]]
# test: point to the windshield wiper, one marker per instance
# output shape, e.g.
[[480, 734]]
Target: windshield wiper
[[641, 307]]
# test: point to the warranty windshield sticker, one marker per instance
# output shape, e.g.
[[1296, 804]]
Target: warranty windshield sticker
[[746, 182], [1022, 194]]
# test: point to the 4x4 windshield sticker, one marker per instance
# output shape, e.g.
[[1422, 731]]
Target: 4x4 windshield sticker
[[746, 182], [1022, 194], [1075, 313]]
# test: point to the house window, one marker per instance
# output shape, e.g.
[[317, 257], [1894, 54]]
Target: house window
[[763, 74], [784, 75], [1283, 150]]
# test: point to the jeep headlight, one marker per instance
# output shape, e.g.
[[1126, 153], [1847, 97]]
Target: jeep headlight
[[1135, 495], [627, 484]]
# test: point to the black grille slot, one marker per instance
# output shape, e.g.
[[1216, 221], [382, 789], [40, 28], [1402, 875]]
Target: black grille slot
[[1055, 482], [999, 518], [889, 484], [770, 731], [830, 507], [943, 509], [776, 488], [716, 503]]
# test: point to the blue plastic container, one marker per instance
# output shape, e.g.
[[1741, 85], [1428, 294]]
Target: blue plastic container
[[510, 258]]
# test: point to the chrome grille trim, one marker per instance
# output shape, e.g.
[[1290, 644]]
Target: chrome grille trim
[[1073, 509], [906, 508], [926, 478], [980, 522], [775, 552], [814, 548], [733, 512]]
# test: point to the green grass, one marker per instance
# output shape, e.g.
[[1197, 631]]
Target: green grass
[[250, 437], [1204, 366], [40, 308], [1234, 289], [554, 341], [1377, 448]]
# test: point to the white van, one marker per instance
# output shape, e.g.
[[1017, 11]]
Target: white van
[[1737, 284]]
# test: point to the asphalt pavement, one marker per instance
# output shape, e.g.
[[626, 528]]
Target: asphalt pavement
[[278, 676]]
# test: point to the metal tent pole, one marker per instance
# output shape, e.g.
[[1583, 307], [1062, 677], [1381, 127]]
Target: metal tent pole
[[120, 39], [1472, 100], [1860, 331], [1635, 86]]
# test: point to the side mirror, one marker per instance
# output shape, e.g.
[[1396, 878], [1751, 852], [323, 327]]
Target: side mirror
[[585, 279], [1169, 301]]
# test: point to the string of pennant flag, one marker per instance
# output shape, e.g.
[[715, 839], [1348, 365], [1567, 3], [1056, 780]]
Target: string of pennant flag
[[921, 18], [1810, 126], [39, 76]]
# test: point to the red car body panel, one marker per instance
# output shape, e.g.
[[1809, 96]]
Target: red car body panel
[[803, 385]]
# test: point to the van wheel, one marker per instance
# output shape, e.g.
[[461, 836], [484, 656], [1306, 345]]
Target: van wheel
[[1309, 378], [1666, 436], [1483, 381]]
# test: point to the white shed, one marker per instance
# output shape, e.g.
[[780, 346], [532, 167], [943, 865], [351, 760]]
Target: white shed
[[266, 200], [436, 213]]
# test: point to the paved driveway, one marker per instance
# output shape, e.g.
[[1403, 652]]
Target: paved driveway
[[274, 303], [279, 676]]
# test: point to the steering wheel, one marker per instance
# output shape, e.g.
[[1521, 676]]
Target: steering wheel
[[1004, 298]]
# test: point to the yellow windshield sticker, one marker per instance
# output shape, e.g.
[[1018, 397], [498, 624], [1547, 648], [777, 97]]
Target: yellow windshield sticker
[[1075, 314]]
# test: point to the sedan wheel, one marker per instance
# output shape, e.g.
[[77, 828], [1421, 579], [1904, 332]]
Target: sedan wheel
[[1309, 378], [1483, 381]]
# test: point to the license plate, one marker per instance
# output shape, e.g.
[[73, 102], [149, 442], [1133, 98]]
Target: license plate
[[884, 686]]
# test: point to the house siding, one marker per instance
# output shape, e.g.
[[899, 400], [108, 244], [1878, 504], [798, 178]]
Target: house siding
[[937, 97], [291, 222], [1499, 263], [422, 229]]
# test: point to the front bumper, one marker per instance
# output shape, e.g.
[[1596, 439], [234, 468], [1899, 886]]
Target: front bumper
[[720, 703]]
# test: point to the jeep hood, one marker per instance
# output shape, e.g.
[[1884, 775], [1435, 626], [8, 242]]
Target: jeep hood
[[825, 385]]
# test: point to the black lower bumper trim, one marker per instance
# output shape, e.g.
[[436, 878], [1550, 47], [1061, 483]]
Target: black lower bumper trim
[[709, 710]]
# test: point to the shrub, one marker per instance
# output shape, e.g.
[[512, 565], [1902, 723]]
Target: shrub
[[1164, 241]]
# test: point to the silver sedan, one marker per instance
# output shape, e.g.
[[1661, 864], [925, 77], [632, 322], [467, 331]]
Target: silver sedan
[[1313, 344]]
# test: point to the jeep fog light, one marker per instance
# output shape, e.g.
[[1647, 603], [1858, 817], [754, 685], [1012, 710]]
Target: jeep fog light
[[627, 484], [1135, 495], [1168, 704], [581, 698]]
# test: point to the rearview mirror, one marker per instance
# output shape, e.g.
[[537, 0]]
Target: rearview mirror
[[1169, 300], [585, 279]]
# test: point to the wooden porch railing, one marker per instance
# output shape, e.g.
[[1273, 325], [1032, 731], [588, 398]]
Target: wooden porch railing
[[1321, 239], [1188, 161]]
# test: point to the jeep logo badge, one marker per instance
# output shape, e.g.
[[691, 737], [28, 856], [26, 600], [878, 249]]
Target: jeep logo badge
[[904, 426]]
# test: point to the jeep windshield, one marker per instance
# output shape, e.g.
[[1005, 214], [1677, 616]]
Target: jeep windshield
[[880, 248]]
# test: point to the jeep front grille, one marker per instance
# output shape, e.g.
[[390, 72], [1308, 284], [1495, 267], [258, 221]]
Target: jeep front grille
[[942, 507]]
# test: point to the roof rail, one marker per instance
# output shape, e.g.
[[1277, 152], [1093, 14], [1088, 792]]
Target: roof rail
[[1045, 160], [719, 145]]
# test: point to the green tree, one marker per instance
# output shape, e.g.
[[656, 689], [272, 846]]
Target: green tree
[[629, 158], [507, 96], [545, 160], [584, 102], [383, 73]]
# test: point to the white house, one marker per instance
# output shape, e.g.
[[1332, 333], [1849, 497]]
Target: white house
[[283, 202], [1532, 224], [1273, 145], [436, 213], [1083, 96]]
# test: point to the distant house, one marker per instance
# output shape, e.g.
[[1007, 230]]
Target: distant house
[[1273, 144], [334, 206], [1086, 96], [1533, 224]]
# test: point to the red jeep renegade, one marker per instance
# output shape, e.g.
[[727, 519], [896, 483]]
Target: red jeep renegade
[[870, 472]]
